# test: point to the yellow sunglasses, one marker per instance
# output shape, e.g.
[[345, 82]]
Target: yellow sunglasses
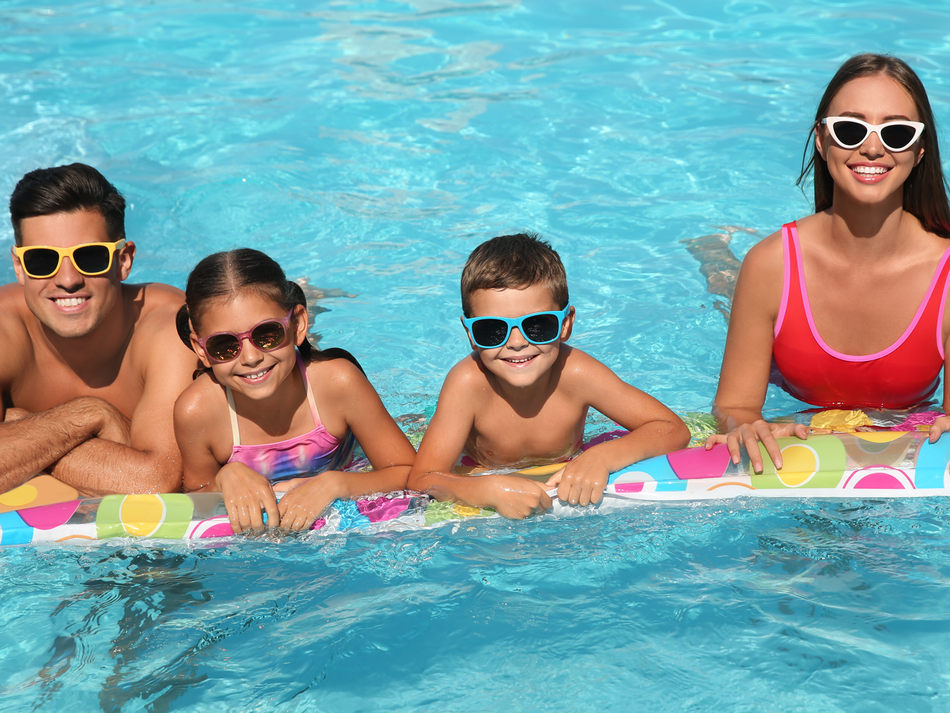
[[91, 259]]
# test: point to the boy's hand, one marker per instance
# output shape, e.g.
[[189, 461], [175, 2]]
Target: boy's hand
[[306, 499], [941, 425], [513, 497], [246, 493], [580, 482]]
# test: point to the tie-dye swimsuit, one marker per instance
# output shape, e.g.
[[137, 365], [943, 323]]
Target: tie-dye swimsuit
[[309, 453]]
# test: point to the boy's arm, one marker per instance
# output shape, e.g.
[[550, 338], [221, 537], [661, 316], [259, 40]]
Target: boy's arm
[[654, 430], [442, 445]]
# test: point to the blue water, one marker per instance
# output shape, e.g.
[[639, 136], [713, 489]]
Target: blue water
[[369, 146]]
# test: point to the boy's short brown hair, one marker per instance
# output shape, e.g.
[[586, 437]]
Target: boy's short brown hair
[[514, 262]]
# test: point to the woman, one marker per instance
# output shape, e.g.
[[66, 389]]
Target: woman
[[848, 301]]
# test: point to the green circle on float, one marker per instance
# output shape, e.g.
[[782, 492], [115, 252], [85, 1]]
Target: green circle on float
[[818, 462]]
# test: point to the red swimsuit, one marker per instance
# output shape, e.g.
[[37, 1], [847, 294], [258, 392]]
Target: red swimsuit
[[898, 377]]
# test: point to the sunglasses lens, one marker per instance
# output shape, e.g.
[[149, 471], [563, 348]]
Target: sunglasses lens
[[849, 133], [898, 136], [268, 336], [541, 328], [40, 262], [223, 347], [489, 332], [92, 259]]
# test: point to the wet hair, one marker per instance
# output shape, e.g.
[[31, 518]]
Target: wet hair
[[219, 277], [514, 262], [925, 190], [67, 189]]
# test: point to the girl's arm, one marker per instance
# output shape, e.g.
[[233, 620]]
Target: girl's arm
[[246, 493], [654, 429], [744, 377], [350, 401]]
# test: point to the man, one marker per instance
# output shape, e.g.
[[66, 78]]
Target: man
[[89, 367]]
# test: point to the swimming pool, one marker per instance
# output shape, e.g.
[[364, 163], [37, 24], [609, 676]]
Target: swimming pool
[[369, 146]]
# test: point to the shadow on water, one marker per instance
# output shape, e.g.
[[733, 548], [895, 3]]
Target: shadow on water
[[151, 588]]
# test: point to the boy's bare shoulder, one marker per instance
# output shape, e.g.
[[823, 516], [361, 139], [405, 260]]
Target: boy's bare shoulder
[[466, 375]]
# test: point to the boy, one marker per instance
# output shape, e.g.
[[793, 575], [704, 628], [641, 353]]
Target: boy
[[522, 396]]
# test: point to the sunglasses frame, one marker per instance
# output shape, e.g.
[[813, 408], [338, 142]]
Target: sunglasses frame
[[241, 336], [517, 322], [830, 122], [21, 251]]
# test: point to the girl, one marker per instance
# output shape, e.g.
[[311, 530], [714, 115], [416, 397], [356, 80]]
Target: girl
[[268, 406], [849, 301]]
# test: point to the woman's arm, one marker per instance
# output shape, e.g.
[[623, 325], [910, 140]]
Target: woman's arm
[[744, 377]]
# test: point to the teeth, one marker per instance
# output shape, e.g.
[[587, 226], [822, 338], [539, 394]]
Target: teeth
[[69, 301], [869, 170], [258, 375]]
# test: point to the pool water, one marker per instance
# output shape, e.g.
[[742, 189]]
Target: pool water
[[369, 147]]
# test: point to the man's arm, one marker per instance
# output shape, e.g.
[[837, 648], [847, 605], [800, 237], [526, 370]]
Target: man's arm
[[34, 442], [151, 462]]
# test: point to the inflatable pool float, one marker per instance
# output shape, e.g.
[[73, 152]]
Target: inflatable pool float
[[852, 465]]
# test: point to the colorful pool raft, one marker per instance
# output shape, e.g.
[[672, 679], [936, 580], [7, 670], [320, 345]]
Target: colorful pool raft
[[873, 464]]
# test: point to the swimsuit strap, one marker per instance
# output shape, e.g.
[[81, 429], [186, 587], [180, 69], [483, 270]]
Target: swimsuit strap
[[232, 409], [306, 382], [232, 412]]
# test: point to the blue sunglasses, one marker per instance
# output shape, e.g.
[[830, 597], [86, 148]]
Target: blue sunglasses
[[537, 328]]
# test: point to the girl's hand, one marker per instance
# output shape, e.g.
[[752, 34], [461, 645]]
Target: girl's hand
[[941, 425], [305, 501], [580, 482], [246, 494], [751, 434]]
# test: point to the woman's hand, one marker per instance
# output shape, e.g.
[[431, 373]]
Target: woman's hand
[[246, 494], [941, 425], [751, 434], [307, 498]]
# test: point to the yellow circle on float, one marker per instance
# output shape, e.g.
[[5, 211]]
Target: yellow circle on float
[[879, 436], [799, 464], [18, 497], [141, 515], [465, 510]]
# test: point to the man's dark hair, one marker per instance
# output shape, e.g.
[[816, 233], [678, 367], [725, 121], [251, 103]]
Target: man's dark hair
[[67, 189]]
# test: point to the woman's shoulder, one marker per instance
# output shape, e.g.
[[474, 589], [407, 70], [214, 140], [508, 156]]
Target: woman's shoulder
[[765, 259]]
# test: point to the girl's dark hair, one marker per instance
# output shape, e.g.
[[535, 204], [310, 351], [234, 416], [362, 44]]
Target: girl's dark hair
[[925, 190], [222, 275]]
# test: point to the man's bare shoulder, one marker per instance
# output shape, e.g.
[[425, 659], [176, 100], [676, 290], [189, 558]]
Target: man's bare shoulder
[[155, 337], [13, 329], [156, 306]]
